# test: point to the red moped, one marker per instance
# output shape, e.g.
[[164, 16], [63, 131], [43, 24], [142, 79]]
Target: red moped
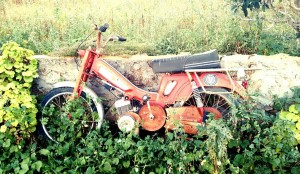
[[192, 88]]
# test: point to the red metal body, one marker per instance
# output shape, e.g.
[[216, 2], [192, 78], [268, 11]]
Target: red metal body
[[94, 65]]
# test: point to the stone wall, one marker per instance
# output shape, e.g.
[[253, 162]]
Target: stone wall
[[273, 75]]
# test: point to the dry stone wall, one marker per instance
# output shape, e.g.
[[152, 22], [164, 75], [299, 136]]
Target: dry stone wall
[[273, 75]]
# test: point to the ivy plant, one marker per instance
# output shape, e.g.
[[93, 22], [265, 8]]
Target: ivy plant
[[18, 109]]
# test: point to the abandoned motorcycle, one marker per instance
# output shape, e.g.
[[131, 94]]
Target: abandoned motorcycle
[[192, 88]]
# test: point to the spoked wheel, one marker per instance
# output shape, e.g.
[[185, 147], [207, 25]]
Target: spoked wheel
[[218, 105], [59, 116]]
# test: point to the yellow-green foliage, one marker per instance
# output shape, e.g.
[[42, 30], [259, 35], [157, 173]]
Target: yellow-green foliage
[[17, 107], [293, 115]]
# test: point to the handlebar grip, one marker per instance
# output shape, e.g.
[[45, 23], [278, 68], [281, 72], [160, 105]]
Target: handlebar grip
[[122, 39], [104, 27]]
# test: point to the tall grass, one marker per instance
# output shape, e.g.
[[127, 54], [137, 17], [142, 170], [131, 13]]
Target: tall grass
[[153, 26]]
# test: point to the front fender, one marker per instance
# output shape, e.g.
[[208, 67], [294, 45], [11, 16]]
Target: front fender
[[89, 93]]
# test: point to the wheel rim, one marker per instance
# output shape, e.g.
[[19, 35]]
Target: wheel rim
[[217, 104], [58, 101], [210, 110]]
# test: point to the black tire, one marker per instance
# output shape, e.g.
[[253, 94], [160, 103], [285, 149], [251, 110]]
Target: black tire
[[57, 98], [218, 104]]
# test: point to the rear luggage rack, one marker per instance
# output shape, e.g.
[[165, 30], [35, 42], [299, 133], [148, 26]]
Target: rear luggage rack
[[226, 70]]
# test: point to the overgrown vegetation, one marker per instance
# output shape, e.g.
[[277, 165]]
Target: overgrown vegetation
[[17, 105], [152, 27], [17, 108], [258, 143], [252, 141]]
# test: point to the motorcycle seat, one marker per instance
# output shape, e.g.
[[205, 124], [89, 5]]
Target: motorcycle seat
[[206, 60]]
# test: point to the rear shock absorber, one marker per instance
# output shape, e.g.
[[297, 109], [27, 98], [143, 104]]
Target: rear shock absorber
[[197, 95], [198, 99]]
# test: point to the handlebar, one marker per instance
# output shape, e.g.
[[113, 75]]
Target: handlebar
[[103, 28], [122, 39], [116, 38]]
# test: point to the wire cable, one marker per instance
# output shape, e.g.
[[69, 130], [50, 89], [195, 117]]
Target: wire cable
[[76, 54]]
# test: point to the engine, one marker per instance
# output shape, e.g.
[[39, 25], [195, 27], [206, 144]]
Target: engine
[[126, 118], [122, 106]]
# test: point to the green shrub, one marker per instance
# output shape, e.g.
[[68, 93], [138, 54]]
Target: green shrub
[[17, 110], [263, 143], [17, 106]]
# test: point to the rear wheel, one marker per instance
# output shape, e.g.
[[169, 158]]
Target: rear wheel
[[217, 104], [59, 116]]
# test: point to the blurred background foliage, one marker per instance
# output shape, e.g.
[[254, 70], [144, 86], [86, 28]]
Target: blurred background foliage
[[153, 27]]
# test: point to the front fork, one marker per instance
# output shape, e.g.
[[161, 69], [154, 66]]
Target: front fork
[[83, 73]]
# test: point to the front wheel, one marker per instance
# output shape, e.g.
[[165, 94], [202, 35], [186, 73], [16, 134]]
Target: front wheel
[[60, 117]]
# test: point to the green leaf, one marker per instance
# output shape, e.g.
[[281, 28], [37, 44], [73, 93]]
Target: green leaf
[[298, 125], [24, 167], [37, 165], [28, 79], [283, 115], [234, 8], [107, 167], [90, 170], [293, 109], [6, 143], [59, 168], [13, 148], [292, 117], [115, 161], [170, 136], [8, 66], [11, 74], [251, 146], [27, 73], [65, 148], [295, 170], [233, 143], [256, 5], [45, 152], [108, 142], [82, 161], [126, 164], [238, 159], [263, 7], [18, 65]]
